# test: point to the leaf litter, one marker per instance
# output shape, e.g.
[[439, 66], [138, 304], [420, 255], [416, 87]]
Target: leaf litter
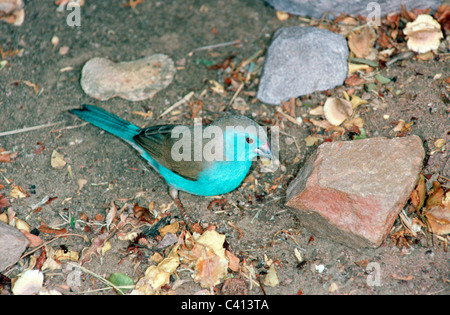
[[203, 254]]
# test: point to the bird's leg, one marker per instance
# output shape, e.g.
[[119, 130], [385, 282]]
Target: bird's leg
[[174, 194]]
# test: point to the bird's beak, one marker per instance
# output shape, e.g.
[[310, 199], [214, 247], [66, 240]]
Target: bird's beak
[[264, 151]]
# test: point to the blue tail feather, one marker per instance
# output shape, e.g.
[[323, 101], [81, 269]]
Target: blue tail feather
[[107, 121]]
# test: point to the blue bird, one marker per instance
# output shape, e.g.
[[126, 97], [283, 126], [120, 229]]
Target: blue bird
[[205, 161]]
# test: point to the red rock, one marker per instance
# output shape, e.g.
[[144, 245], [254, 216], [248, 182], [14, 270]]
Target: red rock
[[352, 191]]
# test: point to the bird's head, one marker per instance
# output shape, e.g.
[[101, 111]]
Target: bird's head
[[244, 139]]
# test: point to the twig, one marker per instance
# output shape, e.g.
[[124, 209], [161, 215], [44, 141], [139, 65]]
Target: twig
[[235, 42], [26, 129], [288, 117], [235, 95], [105, 281], [52, 240], [185, 99], [70, 127]]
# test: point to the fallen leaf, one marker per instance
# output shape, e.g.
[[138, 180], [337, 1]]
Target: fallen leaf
[[361, 43], [33, 239], [282, 16], [28, 283], [438, 218], [233, 261], [271, 279], [111, 215], [443, 17], [424, 34], [171, 228], [12, 12], [64, 254], [122, 281], [94, 249], [436, 195], [32, 85], [4, 156], [439, 143], [18, 192], [81, 183], [208, 258], [143, 214], [4, 202], [407, 278], [106, 247], [354, 80], [22, 225], [157, 276], [312, 140], [419, 194], [57, 160], [44, 228]]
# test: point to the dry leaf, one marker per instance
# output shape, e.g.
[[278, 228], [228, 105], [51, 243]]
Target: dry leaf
[[233, 261], [157, 276], [337, 110], [18, 192], [208, 258], [34, 240], [419, 194], [4, 202], [30, 282], [361, 44], [32, 85], [111, 215], [81, 183], [22, 225], [443, 17], [271, 279], [282, 16], [312, 140], [106, 247], [44, 228], [57, 160], [64, 254], [171, 228], [424, 34], [407, 278], [4, 156], [12, 11], [438, 218]]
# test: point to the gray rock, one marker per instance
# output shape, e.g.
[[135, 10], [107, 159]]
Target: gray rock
[[352, 191], [12, 245], [135, 80], [300, 61], [316, 9]]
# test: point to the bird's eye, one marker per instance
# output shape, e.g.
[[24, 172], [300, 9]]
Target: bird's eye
[[249, 140]]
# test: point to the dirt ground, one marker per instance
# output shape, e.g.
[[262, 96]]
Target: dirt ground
[[114, 172]]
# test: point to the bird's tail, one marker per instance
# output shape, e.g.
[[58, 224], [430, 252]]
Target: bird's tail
[[107, 121]]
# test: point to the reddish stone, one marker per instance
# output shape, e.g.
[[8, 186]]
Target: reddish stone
[[352, 191]]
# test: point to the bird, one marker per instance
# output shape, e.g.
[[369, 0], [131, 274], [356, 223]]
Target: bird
[[196, 162]]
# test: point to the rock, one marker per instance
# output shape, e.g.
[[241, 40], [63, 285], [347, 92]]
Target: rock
[[12, 245], [352, 191], [302, 60], [132, 80], [316, 9]]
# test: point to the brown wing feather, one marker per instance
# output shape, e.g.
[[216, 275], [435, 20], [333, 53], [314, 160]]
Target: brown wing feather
[[157, 141]]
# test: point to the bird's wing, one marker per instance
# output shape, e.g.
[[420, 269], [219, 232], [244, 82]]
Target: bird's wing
[[157, 141]]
